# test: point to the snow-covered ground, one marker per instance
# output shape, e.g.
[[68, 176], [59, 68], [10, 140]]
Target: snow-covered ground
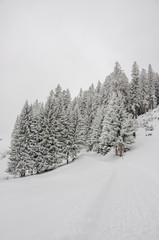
[[96, 197], [4, 158]]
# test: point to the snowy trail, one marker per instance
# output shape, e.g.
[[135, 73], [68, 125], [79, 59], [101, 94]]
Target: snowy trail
[[90, 199], [129, 208]]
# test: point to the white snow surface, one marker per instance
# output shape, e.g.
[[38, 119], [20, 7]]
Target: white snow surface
[[4, 158], [95, 198]]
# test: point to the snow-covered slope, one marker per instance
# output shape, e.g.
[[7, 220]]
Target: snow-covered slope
[[4, 158], [96, 197]]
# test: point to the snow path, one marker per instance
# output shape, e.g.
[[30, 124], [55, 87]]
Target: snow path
[[90, 199], [96, 197], [128, 208]]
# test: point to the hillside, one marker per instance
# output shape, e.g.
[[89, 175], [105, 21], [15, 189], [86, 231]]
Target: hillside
[[96, 197], [4, 157]]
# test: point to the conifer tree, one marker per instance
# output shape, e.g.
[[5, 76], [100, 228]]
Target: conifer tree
[[119, 83], [105, 91], [144, 104], [48, 147], [151, 83], [118, 127], [108, 134], [157, 88], [66, 135], [96, 129], [135, 90], [89, 115], [98, 95], [77, 131], [37, 109], [20, 157]]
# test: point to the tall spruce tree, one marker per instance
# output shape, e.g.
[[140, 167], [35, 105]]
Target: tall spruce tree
[[118, 127], [144, 97], [135, 90], [157, 88], [77, 131], [48, 147], [96, 129], [20, 157], [151, 83]]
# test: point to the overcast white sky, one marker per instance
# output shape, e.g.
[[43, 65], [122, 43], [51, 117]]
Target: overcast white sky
[[71, 42]]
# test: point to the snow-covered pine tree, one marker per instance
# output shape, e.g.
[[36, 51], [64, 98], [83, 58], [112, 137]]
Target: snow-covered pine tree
[[127, 131], [48, 147], [151, 83], [98, 95], [89, 114], [66, 109], [60, 123], [96, 129], [14, 147], [105, 91], [157, 88], [66, 99], [119, 81], [143, 80], [36, 108], [35, 128], [118, 127], [77, 130], [108, 134], [15, 129], [135, 90], [40, 164], [20, 157], [67, 138]]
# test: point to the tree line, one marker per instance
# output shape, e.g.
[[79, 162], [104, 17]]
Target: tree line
[[98, 119]]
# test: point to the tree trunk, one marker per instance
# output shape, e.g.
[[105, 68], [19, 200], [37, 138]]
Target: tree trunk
[[120, 149], [22, 174], [116, 151], [136, 112], [145, 108], [67, 158]]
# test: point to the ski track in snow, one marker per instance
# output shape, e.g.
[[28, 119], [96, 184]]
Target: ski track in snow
[[94, 198], [127, 208]]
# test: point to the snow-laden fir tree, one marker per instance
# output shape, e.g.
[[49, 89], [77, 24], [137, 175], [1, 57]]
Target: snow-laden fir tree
[[144, 95], [77, 131], [35, 128], [96, 129], [48, 147], [98, 99], [157, 88], [119, 82], [118, 126], [108, 134], [60, 122], [20, 157], [40, 161], [105, 91], [89, 114], [151, 85], [65, 119], [135, 90], [14, 147], [66, 99]]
